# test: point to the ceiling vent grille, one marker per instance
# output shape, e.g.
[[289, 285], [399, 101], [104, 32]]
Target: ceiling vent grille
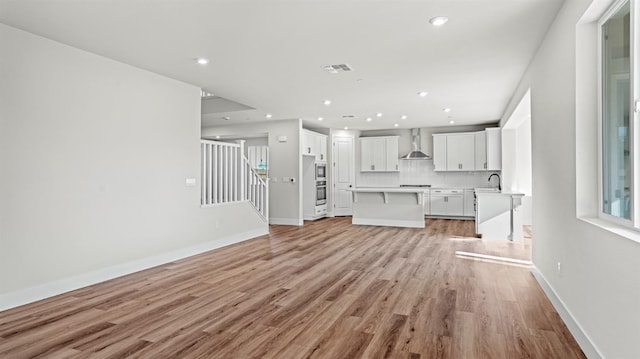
[[334, 69]]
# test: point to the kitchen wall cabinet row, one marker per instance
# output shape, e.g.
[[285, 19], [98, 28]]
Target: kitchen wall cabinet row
[[449, 203], [379, 154], [314, 144], [468, 151]]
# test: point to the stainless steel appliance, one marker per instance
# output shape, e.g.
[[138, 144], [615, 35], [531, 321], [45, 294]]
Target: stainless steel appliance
[[321, 193], [321, 171]]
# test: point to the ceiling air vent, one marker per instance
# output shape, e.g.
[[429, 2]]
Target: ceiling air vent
[[334, 69], [348, 116]]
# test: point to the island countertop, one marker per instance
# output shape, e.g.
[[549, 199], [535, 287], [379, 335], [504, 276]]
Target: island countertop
[[389, 189]]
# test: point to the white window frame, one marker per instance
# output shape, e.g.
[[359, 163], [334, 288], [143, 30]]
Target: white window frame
[[634, 102]]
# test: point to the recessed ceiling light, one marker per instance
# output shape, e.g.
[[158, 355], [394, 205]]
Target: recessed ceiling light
[[438, 20], [346, 127], [369, 119], [320, 118], [446, 109], [452, 122], [202, 61], [268, 115], [403, 117], [379, 114], [423, 93], [218, 137], [396, 125], [327, 102]]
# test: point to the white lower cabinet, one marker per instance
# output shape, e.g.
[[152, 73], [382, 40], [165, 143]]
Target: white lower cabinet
[[426, 204], [469, 203], [446, 202]]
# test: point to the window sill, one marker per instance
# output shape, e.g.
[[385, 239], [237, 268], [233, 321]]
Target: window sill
[[614, 228]]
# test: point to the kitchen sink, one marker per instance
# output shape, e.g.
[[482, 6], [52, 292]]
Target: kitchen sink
[[487, 190]]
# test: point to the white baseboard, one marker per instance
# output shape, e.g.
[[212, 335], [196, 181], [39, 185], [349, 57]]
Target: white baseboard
[[585, 343], [286, 221], [387, 222], [46, 290]]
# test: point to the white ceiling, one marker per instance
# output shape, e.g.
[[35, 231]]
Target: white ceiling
[[268, 55]]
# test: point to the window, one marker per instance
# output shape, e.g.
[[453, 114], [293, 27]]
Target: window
[[616, 140]]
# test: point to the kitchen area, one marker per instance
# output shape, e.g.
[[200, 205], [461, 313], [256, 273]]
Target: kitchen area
[[402, 177]]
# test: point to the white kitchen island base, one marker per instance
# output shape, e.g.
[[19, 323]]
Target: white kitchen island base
[[498, 215], [392, 207]]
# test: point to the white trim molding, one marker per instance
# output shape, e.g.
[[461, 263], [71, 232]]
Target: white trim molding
[[387, 222], [287, 221], [50, 289], [585, 343]]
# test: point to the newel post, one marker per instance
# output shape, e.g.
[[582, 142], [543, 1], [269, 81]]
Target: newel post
[[243, 172]]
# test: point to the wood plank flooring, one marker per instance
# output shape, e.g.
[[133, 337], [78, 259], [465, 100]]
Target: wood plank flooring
[[325, 290]]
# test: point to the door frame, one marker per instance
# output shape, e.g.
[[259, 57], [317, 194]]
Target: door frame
[[334, 136]]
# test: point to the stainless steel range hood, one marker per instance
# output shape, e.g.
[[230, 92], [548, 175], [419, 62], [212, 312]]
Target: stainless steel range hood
[[416, 154]]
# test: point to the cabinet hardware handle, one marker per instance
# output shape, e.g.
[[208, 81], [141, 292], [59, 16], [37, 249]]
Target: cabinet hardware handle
[[485, 165], [396, 166], [373, 167]]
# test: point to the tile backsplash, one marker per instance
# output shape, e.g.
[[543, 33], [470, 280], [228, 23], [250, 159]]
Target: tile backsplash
[[420, 172]]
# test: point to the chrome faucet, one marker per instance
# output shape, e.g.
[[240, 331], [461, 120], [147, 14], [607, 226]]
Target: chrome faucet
[[495, 174]]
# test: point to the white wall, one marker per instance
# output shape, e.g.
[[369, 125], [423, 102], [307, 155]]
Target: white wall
[[516, 156], [285, 199], [94, 155], [599, 280]]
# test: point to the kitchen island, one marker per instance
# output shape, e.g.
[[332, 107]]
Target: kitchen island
[[498, 215], [393, 207]]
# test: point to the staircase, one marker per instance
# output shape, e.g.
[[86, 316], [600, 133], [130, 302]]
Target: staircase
[[228, 177]]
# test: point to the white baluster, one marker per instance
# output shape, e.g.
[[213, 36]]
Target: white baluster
[[214, 177]]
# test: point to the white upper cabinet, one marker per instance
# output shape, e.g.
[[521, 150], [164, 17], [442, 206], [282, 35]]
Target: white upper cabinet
[[494, 149], [308, 143], [321, 142], [468, 151], [379, 154], [461, 152], [314, 144], [391, 144], [481, 151], [440, 152]]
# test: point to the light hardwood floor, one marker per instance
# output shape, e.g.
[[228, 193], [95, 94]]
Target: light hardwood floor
[[325, 290]]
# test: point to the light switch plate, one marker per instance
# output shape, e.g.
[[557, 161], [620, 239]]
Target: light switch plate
[[190, 182]]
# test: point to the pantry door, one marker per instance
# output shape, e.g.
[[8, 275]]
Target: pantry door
[[343, 175]]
